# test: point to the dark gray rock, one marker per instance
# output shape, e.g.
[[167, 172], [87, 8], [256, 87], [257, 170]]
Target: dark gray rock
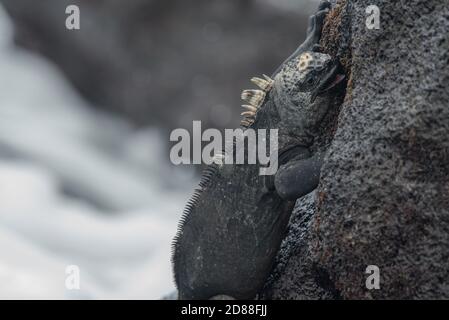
[[383, 198]]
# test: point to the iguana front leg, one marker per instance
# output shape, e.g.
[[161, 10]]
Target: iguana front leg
[[297, 178]]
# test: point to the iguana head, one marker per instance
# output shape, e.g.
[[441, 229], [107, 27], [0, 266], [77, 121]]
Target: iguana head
[[298, 82], [312, 72]]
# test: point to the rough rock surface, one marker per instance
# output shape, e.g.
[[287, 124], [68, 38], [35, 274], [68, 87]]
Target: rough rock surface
[[296, 275], [384, 193]]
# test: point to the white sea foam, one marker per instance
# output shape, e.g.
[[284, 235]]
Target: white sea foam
[[78, 187]]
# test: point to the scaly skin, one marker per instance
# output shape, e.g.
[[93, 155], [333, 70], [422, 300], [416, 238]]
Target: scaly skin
[[236, 220]]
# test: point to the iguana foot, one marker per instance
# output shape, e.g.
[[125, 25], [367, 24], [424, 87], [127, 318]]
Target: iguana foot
[[316, 22], [315, 25], [297, 178]]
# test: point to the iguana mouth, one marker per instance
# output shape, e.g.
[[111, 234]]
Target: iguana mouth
[[328, 82]]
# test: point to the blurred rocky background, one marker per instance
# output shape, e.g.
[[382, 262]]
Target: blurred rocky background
[[85, 175], [164, 63]]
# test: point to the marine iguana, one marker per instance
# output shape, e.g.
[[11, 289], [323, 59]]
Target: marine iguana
[[234, 223]]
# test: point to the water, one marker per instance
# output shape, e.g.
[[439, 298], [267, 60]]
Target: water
[[79, 187]]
